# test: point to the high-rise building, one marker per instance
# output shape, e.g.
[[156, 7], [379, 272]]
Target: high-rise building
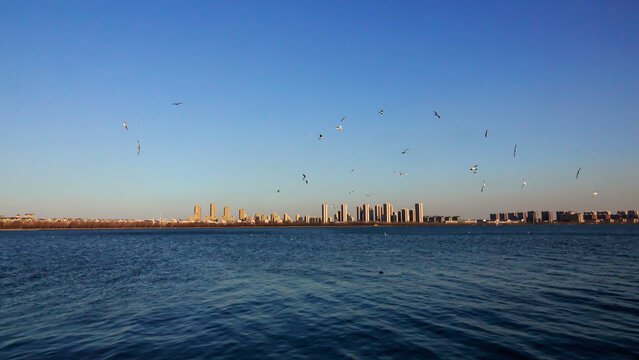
[[344, 214], [388, 212], [197, 214], [405, 215], [324, 213], [211, 216], [366, 209], [419, 212], [533, 217], [360, 215], [378, 213], [242, 215], [494, 217], [546, 216], [227, 214]]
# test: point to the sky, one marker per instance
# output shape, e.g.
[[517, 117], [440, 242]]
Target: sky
[[260, 80]]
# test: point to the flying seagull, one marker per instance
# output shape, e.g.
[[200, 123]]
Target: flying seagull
[[278, 189], [400, 173], [353, 170], [523, 183], [405, 151], [436, 114], [578, 171], [138, 147], [474, 169], [381, 111], [486, 133], [126, 127], [515, 150], [369, 194], [339, 128], [320, 137], [344, 118], [483, 185], [350, 192], [177, 103], [304, 178], [595, 194]]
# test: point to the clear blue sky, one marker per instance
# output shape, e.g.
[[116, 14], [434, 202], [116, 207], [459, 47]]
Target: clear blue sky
[[560, 79]]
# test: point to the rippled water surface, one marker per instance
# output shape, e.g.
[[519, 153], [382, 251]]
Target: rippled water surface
[[562, 292]]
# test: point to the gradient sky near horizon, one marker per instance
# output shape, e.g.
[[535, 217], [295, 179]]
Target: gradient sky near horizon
[[559, 79]]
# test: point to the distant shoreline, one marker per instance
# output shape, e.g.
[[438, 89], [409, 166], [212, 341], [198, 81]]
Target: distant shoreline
[[34, 227]]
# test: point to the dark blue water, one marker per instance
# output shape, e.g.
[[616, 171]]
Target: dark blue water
[[563, 292]]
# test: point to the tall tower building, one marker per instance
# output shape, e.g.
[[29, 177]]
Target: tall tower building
[[378, 213], [388, 212], [344, 215], [227, 214], [197, 214], [324, 213], [367, 212], [359, 213], [211, 216], [419, 212], [242, 215]]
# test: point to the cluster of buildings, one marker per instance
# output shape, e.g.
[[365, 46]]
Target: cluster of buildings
[[365, 213], [563, 216]]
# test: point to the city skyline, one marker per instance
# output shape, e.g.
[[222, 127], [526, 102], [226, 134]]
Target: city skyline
[[558, 80]]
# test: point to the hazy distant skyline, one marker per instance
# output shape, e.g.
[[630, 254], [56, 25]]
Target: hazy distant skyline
[[559, 79]]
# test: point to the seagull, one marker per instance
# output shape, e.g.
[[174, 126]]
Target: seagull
[[353, 170], [483, 185], [138, 147], [344, 118], [177, 103], [369, 194], [381, 111], [333, 206], [350, 192], [523, 183], [405, 151], [304, 178], [278, 189], [515, 150], [594, 195], [578, 173], [486, 133], [474, 169], [436, 114], [339, 128], [126, 127], [320, 137], [400, 173]]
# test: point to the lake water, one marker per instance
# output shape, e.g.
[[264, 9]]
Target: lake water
[[563, 292]]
